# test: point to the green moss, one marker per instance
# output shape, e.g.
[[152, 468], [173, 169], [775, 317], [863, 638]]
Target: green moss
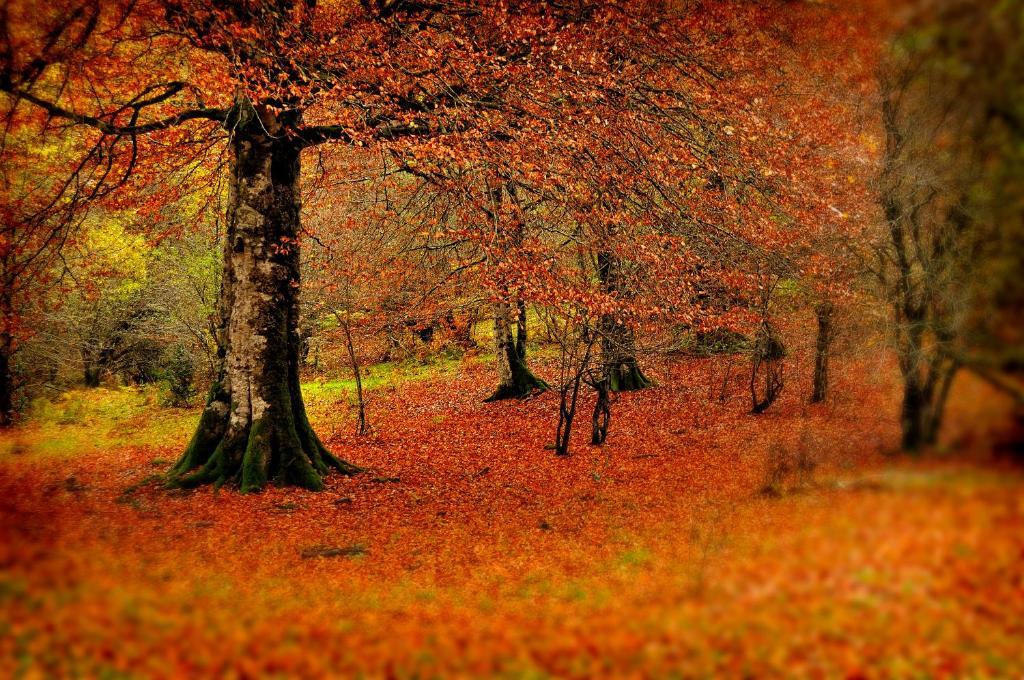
[[205, 440], [627, 377], [523, 384], [320, 392], [256, 460], [95, 421]]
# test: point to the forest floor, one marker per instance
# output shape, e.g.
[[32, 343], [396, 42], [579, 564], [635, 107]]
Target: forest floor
[[470, 550]]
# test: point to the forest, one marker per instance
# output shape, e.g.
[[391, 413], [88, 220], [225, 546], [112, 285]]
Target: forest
[[521, 339]]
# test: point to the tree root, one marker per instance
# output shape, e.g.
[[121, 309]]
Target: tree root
[[281, 449], [524, 383], [627, 377]]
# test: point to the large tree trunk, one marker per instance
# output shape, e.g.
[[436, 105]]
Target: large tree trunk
[[925, 392], [819, 389], [254, 428], [515, 380], [618, 344]]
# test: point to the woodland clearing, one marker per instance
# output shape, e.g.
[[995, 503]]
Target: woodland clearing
[[467, 549]]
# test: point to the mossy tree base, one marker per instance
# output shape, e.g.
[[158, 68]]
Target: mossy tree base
[[523, 383], [515, 380], [627, 377], [273, 449]]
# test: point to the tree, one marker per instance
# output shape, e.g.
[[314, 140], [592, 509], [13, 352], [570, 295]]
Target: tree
[[179, 70], [950, 191], [582, 114], [621, 371], [105, 312], [823, 314], [515, 379], [42, 206]]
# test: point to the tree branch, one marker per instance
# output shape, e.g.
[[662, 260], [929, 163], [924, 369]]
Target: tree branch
[[108, 128], [318, 134]]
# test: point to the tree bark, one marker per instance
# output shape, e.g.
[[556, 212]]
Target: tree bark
[[568, 398], [602, 414], [521, 337], [767, 360], [346, 325], [925, 392], [254, 428], [624, 372], [927, 372], [6, 380], [515, 380], [819, 389], [618, 344], [91, 370], [912, 414]]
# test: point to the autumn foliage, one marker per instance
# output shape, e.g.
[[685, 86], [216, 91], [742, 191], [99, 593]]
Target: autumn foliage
[[401, 338], [468, 550]]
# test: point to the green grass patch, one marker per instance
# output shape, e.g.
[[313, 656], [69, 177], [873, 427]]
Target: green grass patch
[[85, 421], [376, 376], [90, 421]]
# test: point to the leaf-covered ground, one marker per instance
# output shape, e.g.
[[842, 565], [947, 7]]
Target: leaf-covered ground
[[469, 550]]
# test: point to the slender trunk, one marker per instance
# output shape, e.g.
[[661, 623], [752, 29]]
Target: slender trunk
[[254, 428], [602, 414], [6, 380], [819, 390], [515, 380], [938, 409], [767, 363], [566, 413], [6, 357], [361, 427], [575, 363]]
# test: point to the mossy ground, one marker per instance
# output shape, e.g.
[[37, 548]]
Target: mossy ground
[[82, 421]]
